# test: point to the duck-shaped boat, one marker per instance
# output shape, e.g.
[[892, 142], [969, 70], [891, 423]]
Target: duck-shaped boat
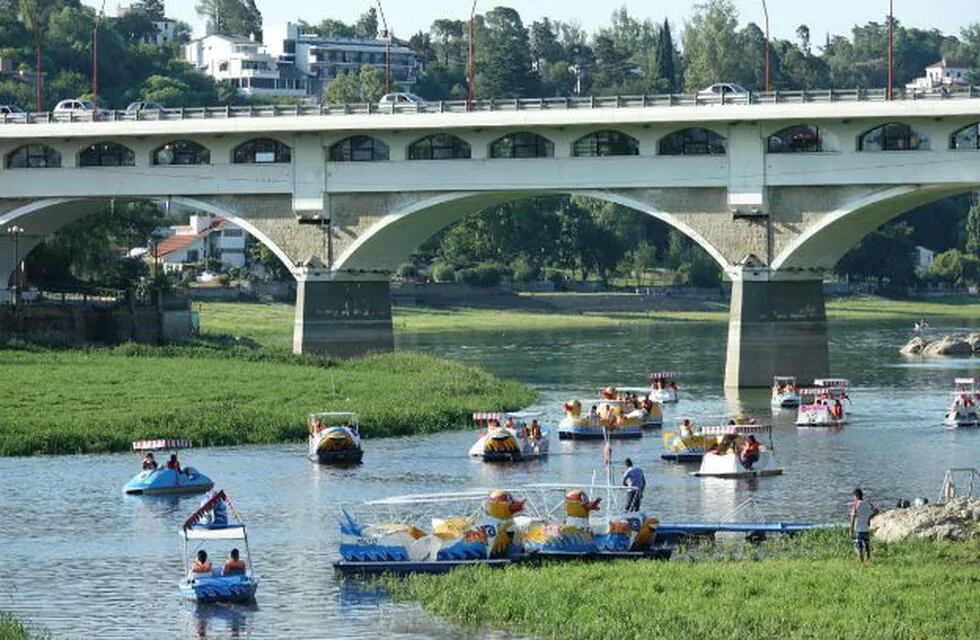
[[963, 410], [510, 437], [607, 418], [335, 438], [739, 454], [235, 581], [822, 407], [169, 478]]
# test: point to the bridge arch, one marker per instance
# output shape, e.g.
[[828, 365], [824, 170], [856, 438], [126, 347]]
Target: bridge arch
[[966, 138], [893, 136], [822, 244], [440, 146], [693, 141], [262, 151], [605, 142], [181, 152], [33, 156], [391, 240], [359, 148], [522, 144], [106, 154]]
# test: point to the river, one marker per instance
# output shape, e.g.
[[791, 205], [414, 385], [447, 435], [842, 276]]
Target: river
[[85, 561]]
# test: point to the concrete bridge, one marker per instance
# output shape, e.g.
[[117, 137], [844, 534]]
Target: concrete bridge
[[775, 188]]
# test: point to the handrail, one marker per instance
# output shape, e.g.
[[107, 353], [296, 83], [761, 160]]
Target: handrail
[[514, 104]]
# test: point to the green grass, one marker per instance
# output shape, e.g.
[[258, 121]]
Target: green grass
[[13, 629], [883, 309], [103, 399], [913, 590]]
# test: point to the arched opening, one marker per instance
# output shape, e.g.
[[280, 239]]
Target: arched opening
[[34, 156], [522, 144], [606, 143], [894, 136], [439, 146], [966, 139], [694, 141], [359, 149], [106, 154], [801, 138], [262, 151], [181, 152]]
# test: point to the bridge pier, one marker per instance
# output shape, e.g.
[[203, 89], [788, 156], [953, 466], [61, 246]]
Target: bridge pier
[[342, 318], [776, 327]]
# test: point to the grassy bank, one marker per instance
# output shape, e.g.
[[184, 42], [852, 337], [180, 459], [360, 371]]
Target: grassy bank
[[882, 309], [810, 588], [12, 629], [103, 399]]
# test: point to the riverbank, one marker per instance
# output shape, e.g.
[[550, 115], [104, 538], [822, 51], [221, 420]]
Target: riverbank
[[811, 587], [13, 629], [96, 400]]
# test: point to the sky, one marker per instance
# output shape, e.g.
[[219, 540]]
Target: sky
[[406, 17]]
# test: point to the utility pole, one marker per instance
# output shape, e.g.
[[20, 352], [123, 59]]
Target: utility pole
[[470, 60], [16, 231], [95, 62], [386, 34], [891, 49], [765, 10]]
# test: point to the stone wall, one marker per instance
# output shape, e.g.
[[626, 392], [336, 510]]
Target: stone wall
[[78, 325]]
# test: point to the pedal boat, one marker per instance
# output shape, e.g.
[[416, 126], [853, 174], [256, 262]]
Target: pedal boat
[[610, 421], [510, 437], [164, 481], [335, 438], [822, 407], [840, 385], [209, 523], [723, 460], [652, 419], [784, 395], [962, 412], [663, 388]]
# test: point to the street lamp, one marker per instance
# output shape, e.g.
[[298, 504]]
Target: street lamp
[[765, 10], [470, 60], [16, 231]]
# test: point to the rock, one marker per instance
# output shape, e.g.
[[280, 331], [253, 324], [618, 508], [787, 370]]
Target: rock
[[948, 346], [958, 519], [974, 341], [913, 347]]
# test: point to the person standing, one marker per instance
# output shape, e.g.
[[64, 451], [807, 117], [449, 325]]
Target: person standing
[[634, 479], [861, 513]]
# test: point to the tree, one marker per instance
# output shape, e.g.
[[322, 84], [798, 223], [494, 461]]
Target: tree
[[447, 36], [711, 45], [504, 56], [152, 8], [886, 255], [973, 230], [666, 54], [367, 24], [232, 17], [803, 33], [261, 255], [366, 86], [35, 14]]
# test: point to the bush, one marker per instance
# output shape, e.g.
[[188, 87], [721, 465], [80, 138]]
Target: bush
[[556, 277], [701, 271], [482, 275], [524, 271], [407, 270], [442, 273]]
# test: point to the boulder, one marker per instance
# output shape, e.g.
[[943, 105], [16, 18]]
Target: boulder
[[948, 346], [974, 341], [913, 347], [958, 519]]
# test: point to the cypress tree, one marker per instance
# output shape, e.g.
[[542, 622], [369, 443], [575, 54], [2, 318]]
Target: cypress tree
[[665, 58]]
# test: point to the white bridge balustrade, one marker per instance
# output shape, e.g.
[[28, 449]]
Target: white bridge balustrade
[[775, 187]]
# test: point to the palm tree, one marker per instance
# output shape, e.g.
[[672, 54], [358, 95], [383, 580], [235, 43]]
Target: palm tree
[[35, 14]]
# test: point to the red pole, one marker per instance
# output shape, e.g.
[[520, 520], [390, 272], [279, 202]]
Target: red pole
[[470, 61], [891, 48], [765, 10]]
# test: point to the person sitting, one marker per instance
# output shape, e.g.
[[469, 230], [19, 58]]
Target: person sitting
[[510, 424], [149, 462], [687, 430], [750, 452], [201, 566], [837, 410], [234, 565], [173, 463], [535, 430]]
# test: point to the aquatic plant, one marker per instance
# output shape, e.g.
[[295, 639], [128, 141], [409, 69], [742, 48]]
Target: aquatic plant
[[13, 629]]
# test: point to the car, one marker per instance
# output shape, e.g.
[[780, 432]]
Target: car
[[10, 110], [143, 105], [76, 108], [723, 90], [393, 99]]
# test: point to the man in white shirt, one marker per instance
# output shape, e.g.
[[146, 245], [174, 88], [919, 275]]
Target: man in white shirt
[[861, 513], [636, 482]]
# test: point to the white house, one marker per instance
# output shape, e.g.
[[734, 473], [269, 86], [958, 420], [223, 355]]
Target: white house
[[944, 73], [202, 238], [923, 259], [246, 64], [166, 31]]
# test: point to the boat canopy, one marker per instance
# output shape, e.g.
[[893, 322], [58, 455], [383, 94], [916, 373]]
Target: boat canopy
[[433, 498], [831, 382], [661, 375], [632, 389], [571, 485], [486, 416], [781, 379], [965, 381], [739, 429], [162, 443], [833, 392], [334, 414], [231, 532], [210, 520]]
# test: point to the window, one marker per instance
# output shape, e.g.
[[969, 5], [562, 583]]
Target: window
[[606, 143], [359, 149], [106, 154], [966, 138], [192, 255], [797, 139], [182, 152], [439, 146], [696, 141], [894, 136], [261, 151], [522, 145], [34, 156]]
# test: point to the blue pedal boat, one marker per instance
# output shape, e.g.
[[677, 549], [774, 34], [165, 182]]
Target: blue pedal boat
[[210, 523], [156, 480]]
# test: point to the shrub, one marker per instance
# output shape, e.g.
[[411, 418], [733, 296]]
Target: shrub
[[484, 274], [407, 270], [442, 272], [524, 271]]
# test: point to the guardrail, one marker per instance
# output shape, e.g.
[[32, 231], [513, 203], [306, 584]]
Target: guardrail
[[482, 106]]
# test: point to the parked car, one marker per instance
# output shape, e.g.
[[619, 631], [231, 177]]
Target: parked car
[[143, 105], [10, 110], [393, 99], [723, 89], [77, 108]]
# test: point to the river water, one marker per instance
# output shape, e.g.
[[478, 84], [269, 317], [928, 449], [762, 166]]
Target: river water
[[85, 561]]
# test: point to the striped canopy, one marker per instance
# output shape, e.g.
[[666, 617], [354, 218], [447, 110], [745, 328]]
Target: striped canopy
[[163, 443], [737, 428]]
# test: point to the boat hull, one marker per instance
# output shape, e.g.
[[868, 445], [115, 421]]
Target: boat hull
[[594, 433], [786, 402], [510, 449], [163, 481], [220, 589], [338, 456], [683, 458], [728, 465]]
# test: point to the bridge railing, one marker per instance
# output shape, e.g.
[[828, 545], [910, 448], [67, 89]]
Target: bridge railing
[[513, 104]]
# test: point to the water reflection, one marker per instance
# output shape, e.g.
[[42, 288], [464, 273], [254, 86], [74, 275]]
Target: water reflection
[[221, 620]]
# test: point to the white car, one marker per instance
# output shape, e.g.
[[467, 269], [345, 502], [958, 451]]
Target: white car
[[723, 89], [10, 110], [77, 108], [393, 99]]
